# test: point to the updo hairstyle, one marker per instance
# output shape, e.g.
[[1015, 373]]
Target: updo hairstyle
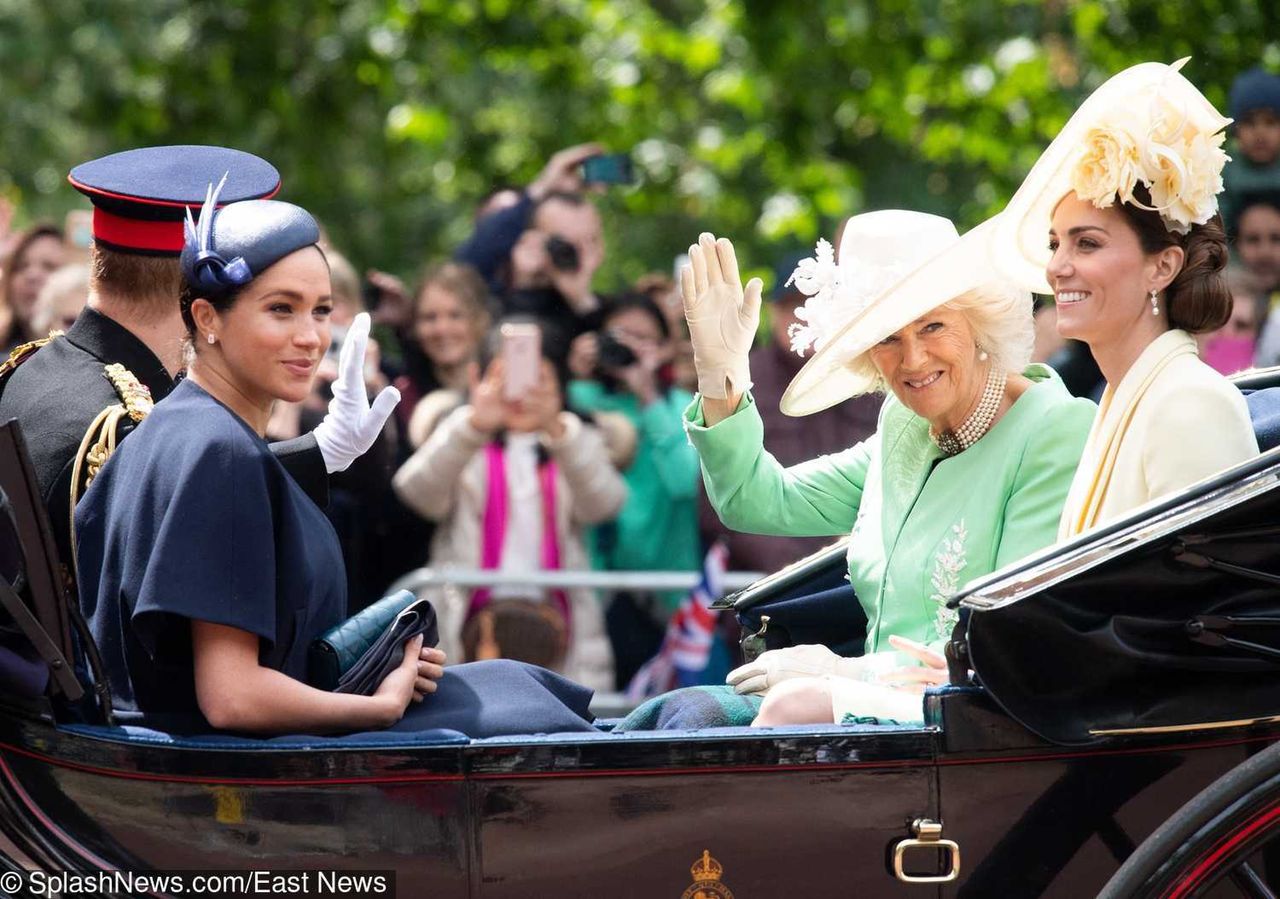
[[1198, 299]]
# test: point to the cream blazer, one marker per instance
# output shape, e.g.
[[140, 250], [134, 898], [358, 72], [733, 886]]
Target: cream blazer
[[1171, 421]]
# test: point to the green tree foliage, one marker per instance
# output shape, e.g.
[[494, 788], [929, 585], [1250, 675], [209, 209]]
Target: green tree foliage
[[761, 120]]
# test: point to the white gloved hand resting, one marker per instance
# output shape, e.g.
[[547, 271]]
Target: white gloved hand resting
[[352, 425], [776, 665], [722, 316]]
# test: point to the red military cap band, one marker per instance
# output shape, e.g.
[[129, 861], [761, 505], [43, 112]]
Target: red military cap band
[[136, 234]]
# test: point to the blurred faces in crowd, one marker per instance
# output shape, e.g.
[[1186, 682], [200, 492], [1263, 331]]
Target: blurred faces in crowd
[[451, 315], [37, 254], [1258, 240], [60, 300]]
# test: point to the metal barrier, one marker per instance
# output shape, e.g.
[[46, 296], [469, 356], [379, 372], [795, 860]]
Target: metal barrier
[[447, 575], [604, 704]]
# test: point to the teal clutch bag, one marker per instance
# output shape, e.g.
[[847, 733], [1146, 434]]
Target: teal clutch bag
[[355, 656]]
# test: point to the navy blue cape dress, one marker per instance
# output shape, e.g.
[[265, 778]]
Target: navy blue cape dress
[[193, 518]]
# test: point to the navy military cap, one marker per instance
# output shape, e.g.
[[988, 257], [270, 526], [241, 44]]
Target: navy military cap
[[233, 245], [141, 197]]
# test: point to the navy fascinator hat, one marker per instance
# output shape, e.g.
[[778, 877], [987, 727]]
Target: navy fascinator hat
[[233, 245]]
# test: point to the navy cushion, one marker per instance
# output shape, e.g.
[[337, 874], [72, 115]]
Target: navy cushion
[[1264, 410]]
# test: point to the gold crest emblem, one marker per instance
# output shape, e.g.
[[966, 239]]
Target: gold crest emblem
[[706, 884]]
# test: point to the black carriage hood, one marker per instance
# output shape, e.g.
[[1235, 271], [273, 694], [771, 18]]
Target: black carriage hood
[[1167, 620]]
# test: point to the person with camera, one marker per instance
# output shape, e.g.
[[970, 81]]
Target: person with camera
[[657, 529], [540, 255]]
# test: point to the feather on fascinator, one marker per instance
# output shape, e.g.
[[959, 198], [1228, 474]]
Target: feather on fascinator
[[208, 270], [231, 246]]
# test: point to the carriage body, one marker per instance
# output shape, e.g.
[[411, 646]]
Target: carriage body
[[1036, 787]]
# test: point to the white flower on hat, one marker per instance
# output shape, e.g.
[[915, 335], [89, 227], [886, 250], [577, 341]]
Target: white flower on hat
[[1178, 160], [818, 278], [1108, 166], [837, 293], [1185, 182]]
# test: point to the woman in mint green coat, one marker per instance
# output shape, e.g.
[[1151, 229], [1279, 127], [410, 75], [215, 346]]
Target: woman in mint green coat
[[968, 470]]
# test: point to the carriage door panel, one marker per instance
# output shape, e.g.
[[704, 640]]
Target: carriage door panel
[[710, 819]]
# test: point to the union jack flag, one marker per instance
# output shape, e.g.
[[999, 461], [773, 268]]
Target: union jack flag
[[691, 632]]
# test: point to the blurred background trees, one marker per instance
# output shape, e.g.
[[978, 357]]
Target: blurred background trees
[[762, 120]]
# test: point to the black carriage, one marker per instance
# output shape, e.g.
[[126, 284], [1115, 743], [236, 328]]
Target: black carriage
[[1116, 677]]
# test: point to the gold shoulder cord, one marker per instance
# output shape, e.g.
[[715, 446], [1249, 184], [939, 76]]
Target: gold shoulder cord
[[104, 433], [22, 352]]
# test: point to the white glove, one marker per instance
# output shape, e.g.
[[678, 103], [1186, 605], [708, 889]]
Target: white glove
[[722, 316], [776, 665], [352, 425]]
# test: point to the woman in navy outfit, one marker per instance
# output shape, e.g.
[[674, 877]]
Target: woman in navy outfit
[[206, 572]]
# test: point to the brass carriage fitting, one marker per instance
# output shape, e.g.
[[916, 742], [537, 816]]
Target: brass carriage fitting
[[927, 835]]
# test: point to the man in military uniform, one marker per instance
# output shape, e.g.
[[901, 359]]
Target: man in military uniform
[[76, 395]]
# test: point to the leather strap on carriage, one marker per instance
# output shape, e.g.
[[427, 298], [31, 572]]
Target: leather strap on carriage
[[956, 652], [59, 667], [1212, 630]]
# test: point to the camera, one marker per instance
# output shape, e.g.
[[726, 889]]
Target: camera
[[612, 354], [563, 255]]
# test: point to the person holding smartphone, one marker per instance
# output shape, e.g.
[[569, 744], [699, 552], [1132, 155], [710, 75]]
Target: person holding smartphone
[[657, 530], [513, 479]]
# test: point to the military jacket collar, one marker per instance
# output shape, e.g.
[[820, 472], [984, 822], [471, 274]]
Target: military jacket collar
[[109, 341]]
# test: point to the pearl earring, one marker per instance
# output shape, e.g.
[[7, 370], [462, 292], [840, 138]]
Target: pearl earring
[[212, 339], [1155, 306], [982, 355]]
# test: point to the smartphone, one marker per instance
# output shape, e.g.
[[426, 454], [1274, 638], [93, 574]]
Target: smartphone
[[521, 358], [77, 229], [614, 168], [681, 261]]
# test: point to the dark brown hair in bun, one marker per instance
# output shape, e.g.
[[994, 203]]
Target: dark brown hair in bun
[[1197, 299]]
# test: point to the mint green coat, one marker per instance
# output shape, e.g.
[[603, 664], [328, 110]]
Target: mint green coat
[[922, 525]]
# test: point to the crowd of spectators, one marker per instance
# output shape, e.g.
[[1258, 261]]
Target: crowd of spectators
[[586, 466]]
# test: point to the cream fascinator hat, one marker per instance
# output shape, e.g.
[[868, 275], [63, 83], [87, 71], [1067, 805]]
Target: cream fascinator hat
[[1147, 123], [895, 266]]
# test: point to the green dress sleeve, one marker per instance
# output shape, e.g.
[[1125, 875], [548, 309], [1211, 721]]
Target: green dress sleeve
[[1042, 480], [752, 492]]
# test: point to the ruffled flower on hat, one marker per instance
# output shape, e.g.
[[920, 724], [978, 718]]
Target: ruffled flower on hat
[[836, 294], [1180, 164]]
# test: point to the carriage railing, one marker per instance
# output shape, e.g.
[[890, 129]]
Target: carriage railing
[[1155, 521]]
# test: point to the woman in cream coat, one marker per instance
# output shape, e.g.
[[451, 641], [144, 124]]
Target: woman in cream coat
[[1120, 217]]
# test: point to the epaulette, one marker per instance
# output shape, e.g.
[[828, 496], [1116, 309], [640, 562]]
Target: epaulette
[[134, 394], [21, 353], [109, 427], [107, 430]]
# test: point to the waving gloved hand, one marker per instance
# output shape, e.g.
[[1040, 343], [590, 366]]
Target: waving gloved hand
[[722, 316], [352, 424], [773, 667]]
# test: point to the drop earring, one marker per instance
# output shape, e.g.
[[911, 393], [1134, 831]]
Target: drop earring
[[212, 340], [982, 355], [1155, 306]]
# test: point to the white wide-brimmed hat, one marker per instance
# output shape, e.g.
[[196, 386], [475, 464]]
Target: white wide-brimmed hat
[[1148, 124], [894, 266]]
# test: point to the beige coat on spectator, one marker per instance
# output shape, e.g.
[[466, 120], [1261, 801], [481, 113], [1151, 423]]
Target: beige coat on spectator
[[446, 480]]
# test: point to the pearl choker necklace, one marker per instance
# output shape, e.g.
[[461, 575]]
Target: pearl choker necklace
[[979, 422]]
